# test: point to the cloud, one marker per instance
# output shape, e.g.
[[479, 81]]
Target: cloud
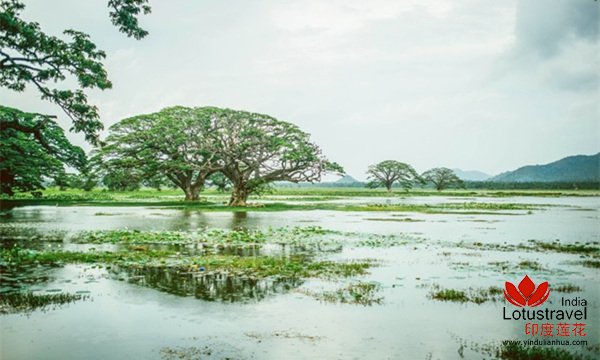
[[546, 28]]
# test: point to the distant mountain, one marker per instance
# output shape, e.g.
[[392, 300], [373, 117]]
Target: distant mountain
[[346, 179], [471, 175], [572, 168]]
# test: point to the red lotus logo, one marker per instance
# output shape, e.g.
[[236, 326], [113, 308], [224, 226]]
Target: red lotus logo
[[526, 294]]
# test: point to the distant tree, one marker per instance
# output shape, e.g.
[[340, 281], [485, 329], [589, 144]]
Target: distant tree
[[29, 56], [442, 178], [219, 181], [175, 143], [389, 172], [39, 153], [121, 180], [257, 150]]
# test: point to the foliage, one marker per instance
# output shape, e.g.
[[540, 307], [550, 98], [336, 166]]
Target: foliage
[[28, 157], [174, 143], [81, 181], [121, 180], [220, 182], [257, 150], [442, 178], [29, 56], [389, 172]]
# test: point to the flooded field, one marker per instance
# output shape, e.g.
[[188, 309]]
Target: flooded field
[[152, 282]]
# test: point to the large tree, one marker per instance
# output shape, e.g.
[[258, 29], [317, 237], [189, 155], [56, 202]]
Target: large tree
[[442, 178], [389, 172], [256, 150], [175, 143], [33, 149], [29, 56]]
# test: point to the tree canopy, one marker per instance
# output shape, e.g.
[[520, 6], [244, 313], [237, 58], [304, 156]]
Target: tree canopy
[[389, 172], [27, 158], [175, 142], [190, 145], [257, 149], [29, 56], [442, 178]]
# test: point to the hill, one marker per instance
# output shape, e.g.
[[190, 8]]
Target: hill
[[346, 179], [471, 175], [572, 168]]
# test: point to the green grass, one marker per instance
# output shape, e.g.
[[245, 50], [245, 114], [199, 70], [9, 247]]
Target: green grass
[[257, 266], [477, 296], [466, 208], [306, 194]]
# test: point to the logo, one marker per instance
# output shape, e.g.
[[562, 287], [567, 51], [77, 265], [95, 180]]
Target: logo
[[526, 294]]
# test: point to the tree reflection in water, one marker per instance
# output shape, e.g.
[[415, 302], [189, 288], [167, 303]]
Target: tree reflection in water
[[213, 286]]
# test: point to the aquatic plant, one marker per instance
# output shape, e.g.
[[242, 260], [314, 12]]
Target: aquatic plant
[[474, 295], [358, 293], [17, 302]]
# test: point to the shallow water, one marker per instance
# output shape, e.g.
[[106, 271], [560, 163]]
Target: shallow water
[[155, 315]]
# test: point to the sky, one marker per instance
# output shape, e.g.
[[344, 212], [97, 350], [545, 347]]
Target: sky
[[469, 84]]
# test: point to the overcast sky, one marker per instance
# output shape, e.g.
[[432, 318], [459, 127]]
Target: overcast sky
[[484, 85]]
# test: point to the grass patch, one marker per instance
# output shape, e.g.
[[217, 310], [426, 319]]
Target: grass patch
[[258, 266], [587, 249], [523, 352], [285, 235], [556, 246], [477, 296], [594, 264], [566, 288], [26, 302], [359, 293]]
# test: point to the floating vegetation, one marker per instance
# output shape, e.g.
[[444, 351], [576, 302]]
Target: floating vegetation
[[566, 288], [25, 302], [14, 232], [383, 241], [474, 295], [283, 335], [16, 256], [595, 264], [358, 293], [590, 248], [395, 219], [184, 353], [557, 246], [283, 235], [517, 351]]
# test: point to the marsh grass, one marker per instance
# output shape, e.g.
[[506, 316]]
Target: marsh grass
[[358, 293], [524, 352], [594, 264], [473, 295], [566, 288], [25, 302], [588, 249]]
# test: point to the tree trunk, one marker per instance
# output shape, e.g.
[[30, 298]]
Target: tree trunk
[[192, 193], [239, 196], [389, 187]]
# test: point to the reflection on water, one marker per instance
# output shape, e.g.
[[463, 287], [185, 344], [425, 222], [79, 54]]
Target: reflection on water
[[206, 286], [13, 278]]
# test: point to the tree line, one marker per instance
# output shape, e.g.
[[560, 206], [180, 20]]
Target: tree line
[[389, 173], [187, 148]]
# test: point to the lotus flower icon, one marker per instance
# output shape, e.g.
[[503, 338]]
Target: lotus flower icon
[[526, 294]]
